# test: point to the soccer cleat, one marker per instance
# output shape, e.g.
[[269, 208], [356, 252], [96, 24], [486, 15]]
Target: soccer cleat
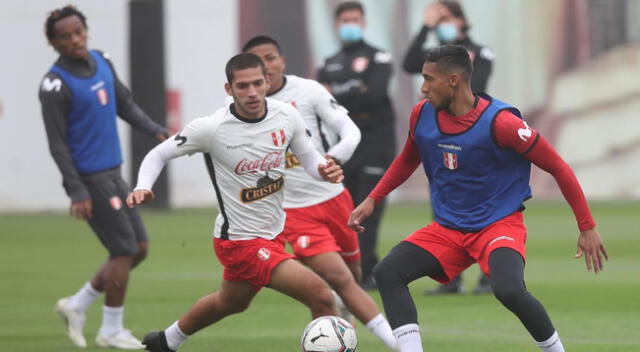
[[342, 309], [73, 320], [155, 341], [454, 287], [123, 340]]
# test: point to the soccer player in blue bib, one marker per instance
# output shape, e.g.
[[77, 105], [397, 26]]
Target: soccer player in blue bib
[[477, 153], [81, 97]]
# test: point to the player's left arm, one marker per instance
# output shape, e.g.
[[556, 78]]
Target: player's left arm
[[129, 111], [512, 132], [312, 162], [336, 117]]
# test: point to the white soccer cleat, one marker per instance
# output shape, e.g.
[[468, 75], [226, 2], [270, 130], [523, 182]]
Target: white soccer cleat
[[342, 309], [73, 320], [123, 340]]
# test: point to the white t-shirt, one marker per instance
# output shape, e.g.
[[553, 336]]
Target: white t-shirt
[[320, 112], [247, 159]]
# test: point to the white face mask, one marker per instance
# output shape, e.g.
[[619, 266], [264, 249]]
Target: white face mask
[[447, 32]]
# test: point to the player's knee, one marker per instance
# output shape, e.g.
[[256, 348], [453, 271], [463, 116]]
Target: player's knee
[[384, 274], [120, 260], [509, 294], [143, 251], [139, 257], [238, 307], [322, 302], [234, 306], [122, 254], [338, 280], [356, 270]]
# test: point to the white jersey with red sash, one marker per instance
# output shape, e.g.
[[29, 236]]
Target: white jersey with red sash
[[319, 109], [247, 165]]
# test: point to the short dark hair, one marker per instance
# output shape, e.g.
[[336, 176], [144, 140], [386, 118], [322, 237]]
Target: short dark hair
[[260, 40], [348, 5], [243, 61], [456, 10], [58, 14], [450, 57]]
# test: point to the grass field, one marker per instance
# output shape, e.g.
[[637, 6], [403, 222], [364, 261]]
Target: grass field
[[47, 256]]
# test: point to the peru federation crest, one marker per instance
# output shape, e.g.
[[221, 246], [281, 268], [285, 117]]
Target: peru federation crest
[[360, 64], [115, 202], [279, 138], [103, 97], [264, 254], [450, 160]]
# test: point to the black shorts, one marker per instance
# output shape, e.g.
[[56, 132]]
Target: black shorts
[[118, 227]]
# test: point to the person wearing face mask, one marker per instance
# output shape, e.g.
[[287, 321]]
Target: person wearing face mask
[[358, 77], [447, 19]]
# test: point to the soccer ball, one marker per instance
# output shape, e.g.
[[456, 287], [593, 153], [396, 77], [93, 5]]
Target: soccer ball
[[329, 334]]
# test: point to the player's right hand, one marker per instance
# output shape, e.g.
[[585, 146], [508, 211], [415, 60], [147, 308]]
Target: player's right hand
[[361, 213], [590, 246], [82, 210], [331, 171], [433, 14], [139, 196]]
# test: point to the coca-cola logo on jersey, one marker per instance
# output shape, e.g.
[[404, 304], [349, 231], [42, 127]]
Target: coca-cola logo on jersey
[[270, 161]]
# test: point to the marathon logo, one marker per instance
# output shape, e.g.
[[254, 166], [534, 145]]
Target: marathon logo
[[266, 187], [291, 161], [450, 146]]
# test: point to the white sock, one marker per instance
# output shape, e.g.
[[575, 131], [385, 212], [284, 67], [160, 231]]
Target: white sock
[[408, 337], [552, 344], [175, 336], [379, 326], [81, 301], [111, 320]]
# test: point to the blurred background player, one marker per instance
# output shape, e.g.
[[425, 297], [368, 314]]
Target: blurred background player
[[447, 19], [245, 143], [81, 96], [358, 77], [317, 212], [477, 153]]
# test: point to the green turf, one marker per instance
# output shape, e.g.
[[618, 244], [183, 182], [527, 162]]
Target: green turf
[[47, 256]]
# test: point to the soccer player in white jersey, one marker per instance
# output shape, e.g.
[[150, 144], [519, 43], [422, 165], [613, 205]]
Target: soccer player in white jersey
[[317, 212], [245, 144]]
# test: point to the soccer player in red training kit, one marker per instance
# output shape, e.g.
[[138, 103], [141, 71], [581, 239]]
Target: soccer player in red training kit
[[477, 153], [245, 144]]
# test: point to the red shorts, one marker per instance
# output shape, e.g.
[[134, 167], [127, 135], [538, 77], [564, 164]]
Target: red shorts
[[250, 260], [322, 228], [456, 250]]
